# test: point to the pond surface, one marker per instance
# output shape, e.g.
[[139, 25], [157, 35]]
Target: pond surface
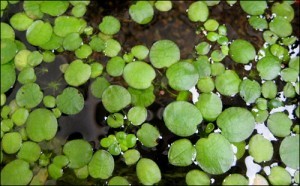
[[174, 25]]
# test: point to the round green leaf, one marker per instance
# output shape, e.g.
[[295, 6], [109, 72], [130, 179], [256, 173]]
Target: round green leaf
[[30, 151], [27, 75], [115, 66], [54, 8], [115, 98], [258, 23], [41, 125], [279, 176], [181, 153], [112, 48], [110, 25], [242, 51], [8, 76], [260, 148], [182, 76], [197, 177], [289, 75], [206, 84], [115, 120], [70, 101], [79, 153], [72, 41], [77, 73], [140, 52], [20, 116], [101, 165], [143, 98], [16, 172], [294, 63], [11, 142], [39, 32], [29, 95], [118, 180], [198, 11], [269, 89], [250, 90], [139, 75], [142, 12], [279, 124], [228, 83], [236, 123], [284, 10], [148, 172], [79, 10], [289, 151], [254, 7], [20, 21], [137, 115], [210, 106], [148, 135], [235, 179], [164, 53], [65, 25], [98, 86], [214, 154], [8, 50], [131, 156], [182, 118], [278, 23], [7, 32]]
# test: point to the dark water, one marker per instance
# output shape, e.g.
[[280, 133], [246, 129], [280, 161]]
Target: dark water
[[90, 125]]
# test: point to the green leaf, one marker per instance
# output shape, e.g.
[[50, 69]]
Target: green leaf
[[236, 123], [279, 176], [72, 41], [115, 98], [182, 76], [79, 153], [143, 98], [198, 11], [148, 135], [137, 115], [41, 125], [16, 172], [11, 142], [29, 151], [7, 32], [29, 95], [279, 124], [214, 154], [181, 153], [197, 177], [118, 180], [148, 172], [20, 21], [8, 50], [65, 25], [142, 12], [278, 23], [77, 73], [289, 151], [98, 86], [182, 118], [242, 51], [131, 156], [284, 10], [228, 83], [254, 7], [235, 179], [70, 101], [210, 106], [54, 8], [101, 165], [250, 90], [8, 76], [164, 53], [115, 66], [110, 25], [260, 148], [39, 33]]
